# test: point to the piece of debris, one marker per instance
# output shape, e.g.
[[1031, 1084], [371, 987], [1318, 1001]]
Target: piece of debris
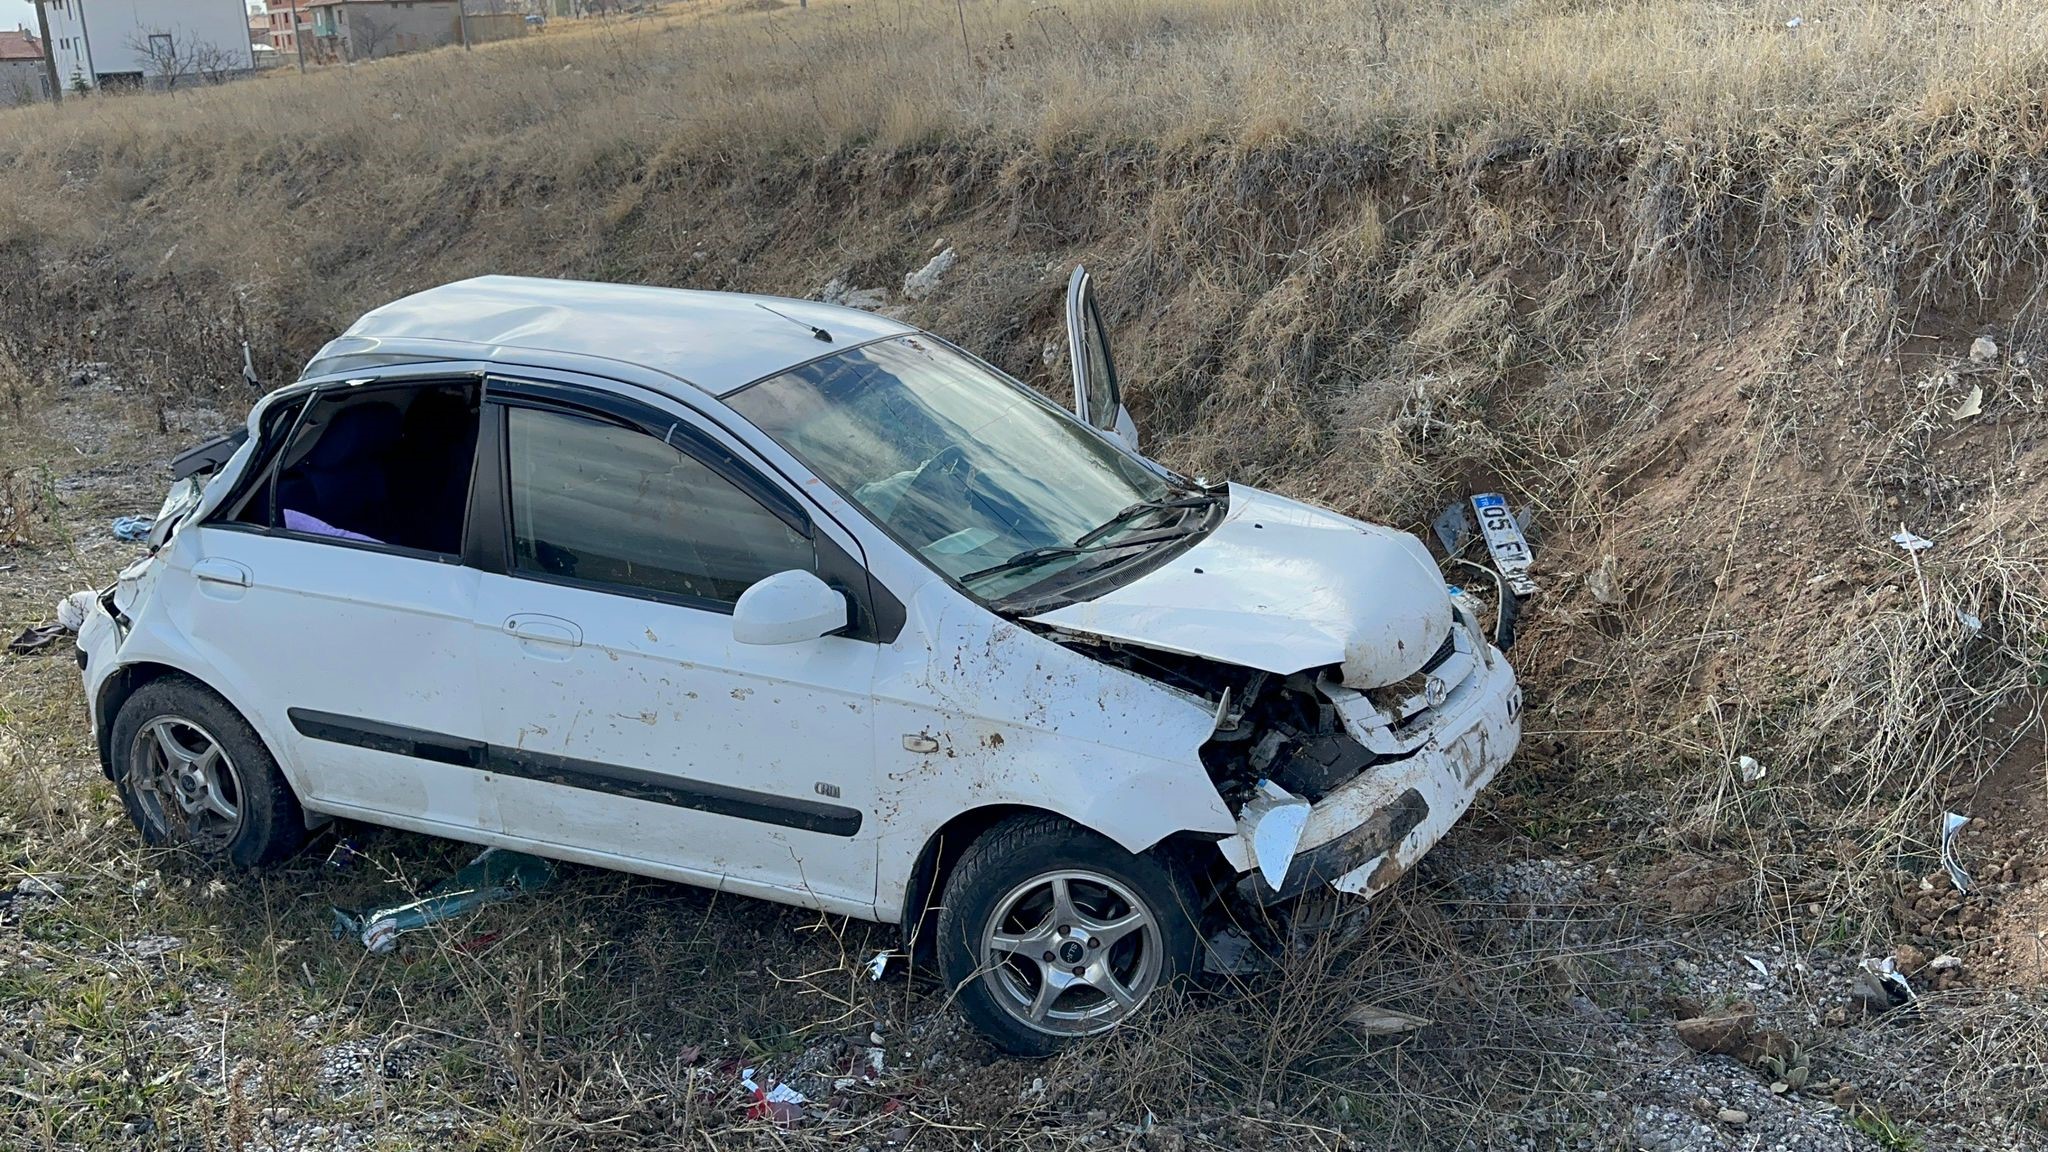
[[1909, 541], [1972, 405], [1453, 527], [1879, 987], [877, 964], [36, 639], [1374, 1020], [923, 282], [133, 528], [783, 1104], [1762, 969], [496, 874], [1722, 1033], [1275, 818], [1751, 768], [1970, 620], [1983, 350], [1951, 823], [1796, 23], [1944, 962], [72, 609]]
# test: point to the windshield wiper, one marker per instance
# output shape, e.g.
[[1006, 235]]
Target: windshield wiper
[[1032, 557], [1141, 508]]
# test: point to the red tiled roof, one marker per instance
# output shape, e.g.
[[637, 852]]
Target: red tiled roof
[[20, 46]]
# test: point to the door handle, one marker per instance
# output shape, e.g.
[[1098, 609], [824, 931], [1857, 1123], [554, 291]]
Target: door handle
[[541, 629], [215, 570]]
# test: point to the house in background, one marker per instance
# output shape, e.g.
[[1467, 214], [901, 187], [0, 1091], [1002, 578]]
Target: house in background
[[278, 16], [147, 43], [351, 30], [24, 76]]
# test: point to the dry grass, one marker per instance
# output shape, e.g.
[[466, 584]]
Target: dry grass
[[1695, 286]]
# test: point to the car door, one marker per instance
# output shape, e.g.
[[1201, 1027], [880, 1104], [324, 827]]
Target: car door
[[1098, 399], [330, 596], [624, 720]]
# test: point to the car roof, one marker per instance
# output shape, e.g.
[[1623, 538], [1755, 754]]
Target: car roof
[[717, 341]]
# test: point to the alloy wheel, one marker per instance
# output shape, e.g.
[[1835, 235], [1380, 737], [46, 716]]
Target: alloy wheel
[[1071, 953], [185, 783]]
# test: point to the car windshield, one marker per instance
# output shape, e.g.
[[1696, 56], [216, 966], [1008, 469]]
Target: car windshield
[[991, 484]]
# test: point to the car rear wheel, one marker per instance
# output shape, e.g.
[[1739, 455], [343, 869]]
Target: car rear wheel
[[193, 774], [1050, 933]]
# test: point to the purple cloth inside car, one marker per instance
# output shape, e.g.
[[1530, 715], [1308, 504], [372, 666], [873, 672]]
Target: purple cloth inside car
[[300, 522]]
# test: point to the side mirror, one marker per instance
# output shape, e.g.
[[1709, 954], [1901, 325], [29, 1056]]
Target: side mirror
[[788, 608]]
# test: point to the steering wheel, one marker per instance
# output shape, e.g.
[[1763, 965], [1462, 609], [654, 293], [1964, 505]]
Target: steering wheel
[[950, 468], [943, 482]]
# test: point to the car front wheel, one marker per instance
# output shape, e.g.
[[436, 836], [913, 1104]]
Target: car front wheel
[[1050, 932], [193, 774]]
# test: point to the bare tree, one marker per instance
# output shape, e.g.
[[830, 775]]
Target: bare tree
[[366, 35], [213, 63], [161, 57]]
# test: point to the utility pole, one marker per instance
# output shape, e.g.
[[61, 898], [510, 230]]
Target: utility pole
[[298, 37], [462, 18], [49, 54]]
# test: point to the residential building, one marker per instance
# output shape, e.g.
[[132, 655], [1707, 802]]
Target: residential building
[[277, 16], [24, 76], [369, 29], [147, 43]]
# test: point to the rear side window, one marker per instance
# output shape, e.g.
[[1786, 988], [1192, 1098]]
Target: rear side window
[[598, 502], [381, 466]]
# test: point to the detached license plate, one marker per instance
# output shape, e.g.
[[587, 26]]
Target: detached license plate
[[1504, 539]]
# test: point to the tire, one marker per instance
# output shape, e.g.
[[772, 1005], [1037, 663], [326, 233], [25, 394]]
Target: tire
[[193, 774], [1007, 889]]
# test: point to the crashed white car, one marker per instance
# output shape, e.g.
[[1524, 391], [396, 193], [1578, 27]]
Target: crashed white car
[[798, 602]]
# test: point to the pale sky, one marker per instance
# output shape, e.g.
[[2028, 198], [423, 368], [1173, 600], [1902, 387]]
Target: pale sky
[[21, 13]]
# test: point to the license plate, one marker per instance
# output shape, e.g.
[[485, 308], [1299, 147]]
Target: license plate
[[1504, 539]]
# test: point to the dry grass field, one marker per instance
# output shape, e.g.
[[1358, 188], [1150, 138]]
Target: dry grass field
[[1726, 300]]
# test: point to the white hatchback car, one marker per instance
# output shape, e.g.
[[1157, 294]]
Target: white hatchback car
[[797, 602]]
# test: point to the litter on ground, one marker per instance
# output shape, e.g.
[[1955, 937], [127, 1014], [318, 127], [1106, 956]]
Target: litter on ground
[[1909, 541], [496, 874], [1951, 823]]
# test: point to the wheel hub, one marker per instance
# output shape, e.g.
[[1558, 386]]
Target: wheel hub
[[1071, 952], [185, 783]]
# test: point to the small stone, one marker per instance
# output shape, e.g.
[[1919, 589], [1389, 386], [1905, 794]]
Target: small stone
[[1722, 1033], [1732, 1116], [1983, 350], [40, 886], [1910, 958]]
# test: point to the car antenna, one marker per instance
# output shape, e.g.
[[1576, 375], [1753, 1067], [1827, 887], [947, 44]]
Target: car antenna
[[816, 331]]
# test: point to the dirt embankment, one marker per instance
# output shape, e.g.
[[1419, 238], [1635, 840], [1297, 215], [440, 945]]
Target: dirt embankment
[[1723, 368]]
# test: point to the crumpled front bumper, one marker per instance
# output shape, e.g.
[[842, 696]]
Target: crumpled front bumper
[[1364, 835]]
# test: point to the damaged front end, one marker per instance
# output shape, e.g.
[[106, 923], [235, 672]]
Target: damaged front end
[[1343, 772], [1341, 787]]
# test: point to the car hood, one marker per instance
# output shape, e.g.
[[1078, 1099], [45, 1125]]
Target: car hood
[[1283, 586]]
